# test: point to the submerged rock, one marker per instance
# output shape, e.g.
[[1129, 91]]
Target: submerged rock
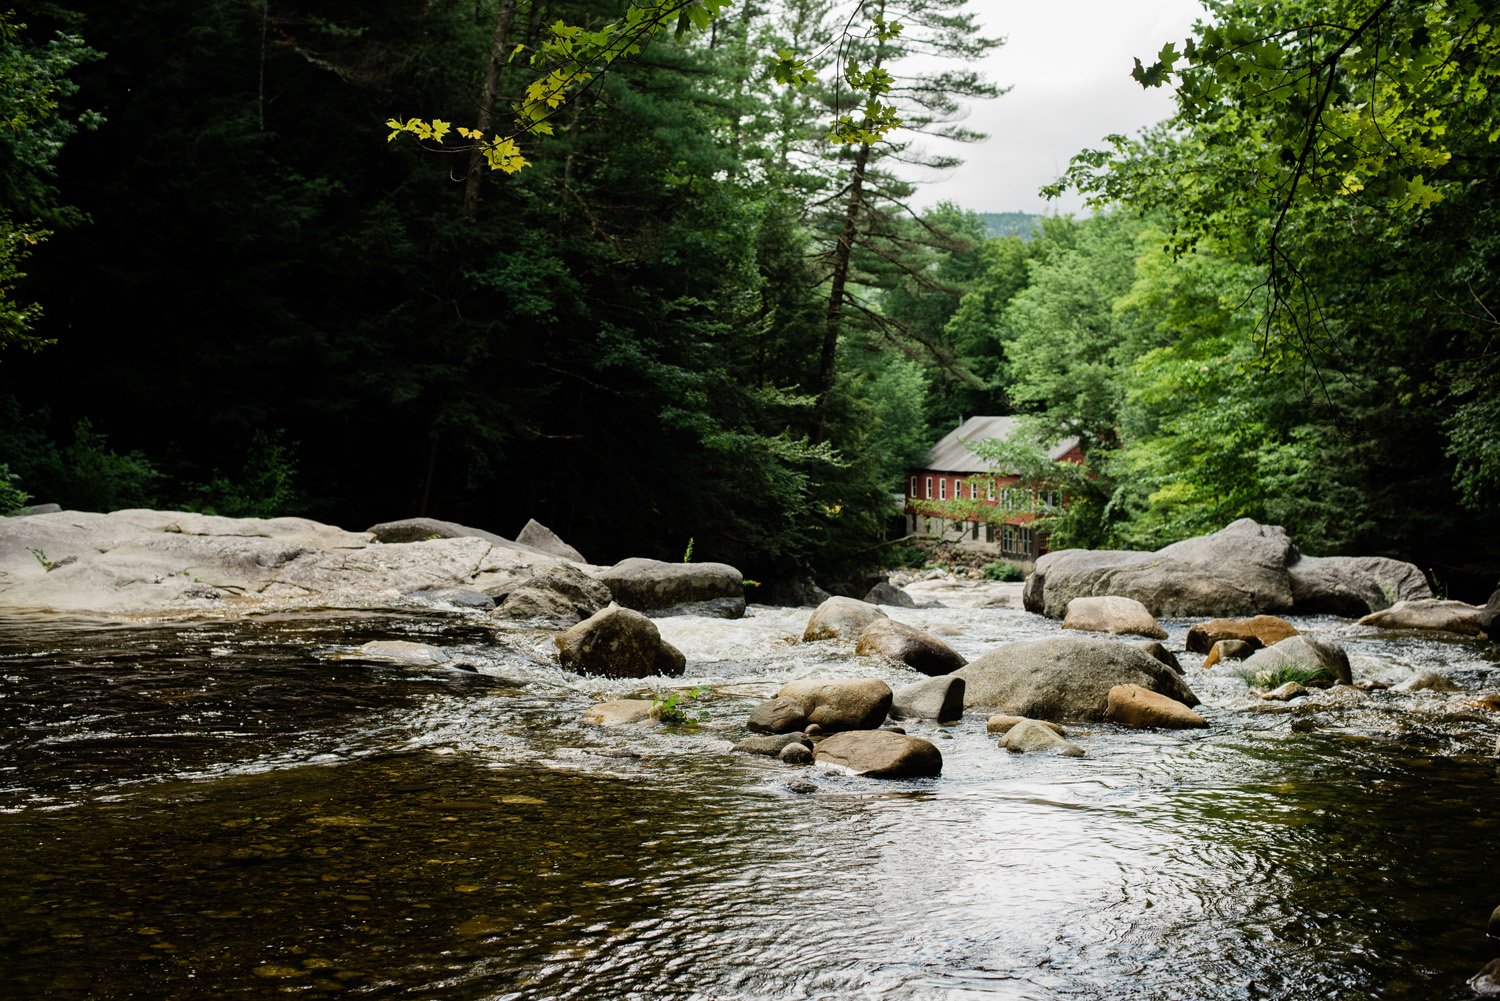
[[910, 646], [619, 712], [1143, 709], [1064, 678], [840, 618], [403, 652], [1430, 614], [618, 643], [1030, 735], [771, 744], [940, 699], [880, 754], [1428, 681], [1111, 613], [659, 588]]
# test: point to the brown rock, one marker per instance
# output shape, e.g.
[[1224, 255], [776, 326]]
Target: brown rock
[[618, 643], [619, 711], [1002, 724], [840, 618], [1134, 706], [881, 754], [778, 715], [1225, 650], [1035, 735], [910, 646], [1112, 614], [1264, 629], [840, 704], [1286, 693]]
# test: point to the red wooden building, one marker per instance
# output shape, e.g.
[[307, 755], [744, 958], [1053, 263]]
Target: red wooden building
[[957, 497]]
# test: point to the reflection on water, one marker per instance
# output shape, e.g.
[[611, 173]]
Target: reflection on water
[[232, 811]]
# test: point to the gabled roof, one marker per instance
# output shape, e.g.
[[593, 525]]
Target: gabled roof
[[950, 454]]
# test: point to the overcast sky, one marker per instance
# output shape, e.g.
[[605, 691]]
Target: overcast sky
[[1068, 65]]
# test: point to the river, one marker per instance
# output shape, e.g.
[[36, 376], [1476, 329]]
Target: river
[[245, 810]]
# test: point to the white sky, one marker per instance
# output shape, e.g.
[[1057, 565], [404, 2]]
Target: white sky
[[1068, 65]]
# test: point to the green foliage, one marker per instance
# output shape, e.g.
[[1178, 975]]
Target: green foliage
[[675, 706], [1002, 570], [265, 488], [12, 497], [687, 554], [1275, 678]]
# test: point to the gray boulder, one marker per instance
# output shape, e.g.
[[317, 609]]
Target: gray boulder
[[1243, 569], [1351, 586], [1303, 653], [840, 618], [560, 594], [541, 538], [1428, 615], [618, 643], [778, 715], [836, 704], [1489, 616], [659, 588], [910, 646], [940, 699], [1064, 678], [1112, 613], [881, 754], [886, 593], [1029, 735]]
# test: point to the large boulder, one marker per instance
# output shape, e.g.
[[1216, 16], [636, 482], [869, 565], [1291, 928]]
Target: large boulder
[[1299, 653], [1112, 614], [559, 594], [886, 593], [618, 643], [1489, 616], [1064, 678], [540, 537], [881, 754], [908, 645], [677, 588], [840, 703], [840, 618], [1429, 615], [1244, 569], [1262, 630], [1143, 709], [172, 563], [940, 699], [1351, 586]]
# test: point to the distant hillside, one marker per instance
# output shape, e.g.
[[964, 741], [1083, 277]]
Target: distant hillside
[[1010, 223]]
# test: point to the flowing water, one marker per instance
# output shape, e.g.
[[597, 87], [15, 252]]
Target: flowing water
[[245, 810]]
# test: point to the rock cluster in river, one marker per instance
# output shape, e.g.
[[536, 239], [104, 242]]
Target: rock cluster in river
[[1243, 569]]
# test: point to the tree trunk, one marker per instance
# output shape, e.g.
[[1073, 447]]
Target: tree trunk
[[487, 103], [834, 318]]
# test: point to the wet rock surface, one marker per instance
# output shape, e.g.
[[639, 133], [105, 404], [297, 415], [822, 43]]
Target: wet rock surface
[[618, 643], [908, 645], [1112, 614], [840, 618], [1430, 614], [1143, 709], [880, 754], [661, 588]]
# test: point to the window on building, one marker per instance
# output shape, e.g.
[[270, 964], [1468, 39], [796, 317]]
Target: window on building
[[913, 486], [989, 532], [942, 488], [990, 492], [929, 488]]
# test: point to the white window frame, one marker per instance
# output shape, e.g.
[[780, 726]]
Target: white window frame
[[914, 486], [942, 488], [929, 488], [991, 491]]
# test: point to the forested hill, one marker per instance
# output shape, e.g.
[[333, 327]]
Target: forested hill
[[692, 318]]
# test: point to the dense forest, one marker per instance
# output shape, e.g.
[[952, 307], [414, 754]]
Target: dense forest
[[694, 318]]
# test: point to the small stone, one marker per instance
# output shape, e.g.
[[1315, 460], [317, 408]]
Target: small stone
[[619, 711], [1287, 692], [403, 652], [1003, 724], [771, 744], [796, 753], [1370, 685], [802, 786], [894, 729], [1486, 983], [813, 730], [1303, 726], [1134, 706], [1034, 735], [1225, 650], [1428, 681]]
